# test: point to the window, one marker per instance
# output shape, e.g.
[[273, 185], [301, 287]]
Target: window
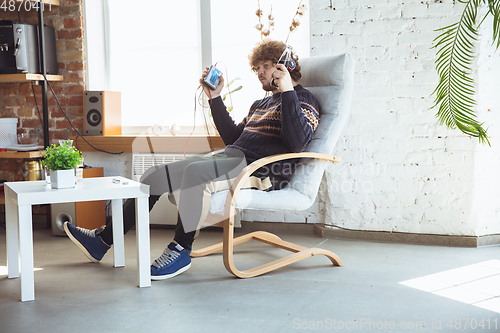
[[151, 51]]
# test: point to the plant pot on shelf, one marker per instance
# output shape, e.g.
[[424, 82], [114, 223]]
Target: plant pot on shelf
[[63, 178]]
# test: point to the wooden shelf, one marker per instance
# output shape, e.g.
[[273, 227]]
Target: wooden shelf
[[2, 198], [9, 78], [144, 144], [21, 154]]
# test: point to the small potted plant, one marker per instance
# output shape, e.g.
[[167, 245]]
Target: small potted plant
[[62, 162]]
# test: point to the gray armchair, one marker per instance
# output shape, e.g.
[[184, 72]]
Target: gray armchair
[[330, 80]]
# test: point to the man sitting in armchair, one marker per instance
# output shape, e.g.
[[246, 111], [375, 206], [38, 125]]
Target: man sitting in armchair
[[282, 122]]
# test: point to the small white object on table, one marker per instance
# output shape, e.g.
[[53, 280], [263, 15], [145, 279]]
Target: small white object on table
[[20, 196]]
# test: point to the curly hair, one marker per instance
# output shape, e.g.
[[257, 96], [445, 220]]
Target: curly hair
[[271, 50]]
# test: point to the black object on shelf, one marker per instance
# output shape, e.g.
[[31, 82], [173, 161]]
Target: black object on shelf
[[20, 48]]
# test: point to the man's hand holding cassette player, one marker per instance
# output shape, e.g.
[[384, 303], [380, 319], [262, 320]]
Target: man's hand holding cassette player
[[219, 80]]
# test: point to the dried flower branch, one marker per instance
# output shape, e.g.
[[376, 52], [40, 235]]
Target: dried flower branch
[[301, 8], [270, 23], [265, 32]]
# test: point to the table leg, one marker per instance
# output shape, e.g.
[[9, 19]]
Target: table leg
[[12, 233], [143, 244], [26, 252], [118, 236]]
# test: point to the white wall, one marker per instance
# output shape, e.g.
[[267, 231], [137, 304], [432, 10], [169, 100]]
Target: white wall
[[112, 164], [400, 170], [487, 162]]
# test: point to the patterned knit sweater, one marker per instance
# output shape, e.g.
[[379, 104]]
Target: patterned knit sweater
[[280, 123]]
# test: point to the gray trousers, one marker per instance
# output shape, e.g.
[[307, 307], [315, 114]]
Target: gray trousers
[[191, 181]]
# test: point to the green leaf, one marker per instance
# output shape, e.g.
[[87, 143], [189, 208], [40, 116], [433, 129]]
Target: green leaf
[[494, 9], [63, 157], [454, 94]]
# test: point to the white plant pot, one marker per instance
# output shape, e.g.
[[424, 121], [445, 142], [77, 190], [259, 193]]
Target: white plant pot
[[63, 178]]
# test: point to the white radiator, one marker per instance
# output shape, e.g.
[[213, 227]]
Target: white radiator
[[142, 162], [164, 212]]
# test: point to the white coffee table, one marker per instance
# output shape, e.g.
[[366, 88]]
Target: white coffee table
[[20, 196]]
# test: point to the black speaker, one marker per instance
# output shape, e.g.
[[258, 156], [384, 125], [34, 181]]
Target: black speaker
[[62, 212], [19, 48], [102, 113]]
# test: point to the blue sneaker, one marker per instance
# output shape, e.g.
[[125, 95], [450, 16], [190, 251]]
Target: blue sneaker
[[173, 261], [88, 241]]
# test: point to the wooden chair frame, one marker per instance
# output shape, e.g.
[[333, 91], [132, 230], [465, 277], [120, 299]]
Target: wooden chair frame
[[227, 246]]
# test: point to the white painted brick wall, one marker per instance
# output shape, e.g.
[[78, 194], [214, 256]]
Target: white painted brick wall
[[400, 170], [487, 159]]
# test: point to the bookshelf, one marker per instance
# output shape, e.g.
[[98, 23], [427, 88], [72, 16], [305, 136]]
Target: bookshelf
[[7, 78]]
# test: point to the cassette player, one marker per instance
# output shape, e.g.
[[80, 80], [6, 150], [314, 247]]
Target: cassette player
[[213, 77]]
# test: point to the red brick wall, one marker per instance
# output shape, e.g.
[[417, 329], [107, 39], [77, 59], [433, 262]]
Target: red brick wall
[[16, 99]]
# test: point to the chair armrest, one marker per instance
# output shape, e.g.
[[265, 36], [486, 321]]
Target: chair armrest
[[274, 158], [248, 170]]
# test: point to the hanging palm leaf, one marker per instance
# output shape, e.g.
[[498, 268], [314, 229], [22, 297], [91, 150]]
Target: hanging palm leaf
[[494, 6], [455, 55]]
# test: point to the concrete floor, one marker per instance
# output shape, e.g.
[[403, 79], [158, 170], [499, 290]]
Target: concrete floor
[[75, 295]]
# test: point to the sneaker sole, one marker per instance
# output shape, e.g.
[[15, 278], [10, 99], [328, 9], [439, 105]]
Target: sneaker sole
[[84, 250], [168, 276]]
